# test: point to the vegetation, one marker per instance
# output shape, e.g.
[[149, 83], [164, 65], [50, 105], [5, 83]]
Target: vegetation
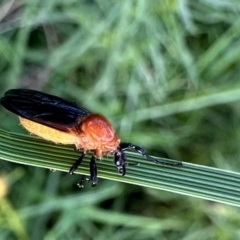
[[166, 74]]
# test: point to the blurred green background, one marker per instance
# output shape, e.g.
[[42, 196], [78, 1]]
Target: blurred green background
[[166, 74]]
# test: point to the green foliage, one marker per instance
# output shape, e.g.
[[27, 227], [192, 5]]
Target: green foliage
[[166, 74]]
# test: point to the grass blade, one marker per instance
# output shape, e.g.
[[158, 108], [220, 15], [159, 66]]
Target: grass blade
[[193, 180]]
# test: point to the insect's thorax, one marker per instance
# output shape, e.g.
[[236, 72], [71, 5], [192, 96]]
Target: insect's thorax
[[96, 133]]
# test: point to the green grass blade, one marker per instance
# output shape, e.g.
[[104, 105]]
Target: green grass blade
[[193, 180]]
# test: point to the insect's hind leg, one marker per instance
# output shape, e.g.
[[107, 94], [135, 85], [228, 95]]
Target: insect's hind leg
[[127, 146], [80, 184], [76, 164]]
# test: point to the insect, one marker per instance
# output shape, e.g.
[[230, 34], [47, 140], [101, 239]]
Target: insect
[[64, 122]]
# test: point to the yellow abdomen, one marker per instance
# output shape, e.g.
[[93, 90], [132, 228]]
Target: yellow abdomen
[[48, 133]]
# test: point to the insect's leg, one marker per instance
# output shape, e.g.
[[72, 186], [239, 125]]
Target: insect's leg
[[80, 184], [126, 146], [93, 172], [119, 159], [76, 164], [132, 164]]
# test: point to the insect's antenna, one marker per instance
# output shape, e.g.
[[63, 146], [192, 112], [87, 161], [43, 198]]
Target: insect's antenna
[[132, 164], [126, 146], [177, 164]]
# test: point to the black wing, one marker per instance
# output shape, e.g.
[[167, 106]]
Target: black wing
[[43, 108]]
